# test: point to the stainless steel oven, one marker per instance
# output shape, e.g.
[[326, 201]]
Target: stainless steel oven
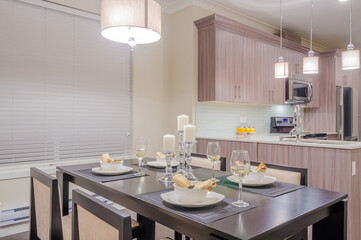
[[298, 89]]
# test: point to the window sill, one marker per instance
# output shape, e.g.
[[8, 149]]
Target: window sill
[[22, 170]]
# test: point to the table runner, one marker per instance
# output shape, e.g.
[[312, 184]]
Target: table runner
[[208, 214], [105, 178], [272, 190], [154, 169]]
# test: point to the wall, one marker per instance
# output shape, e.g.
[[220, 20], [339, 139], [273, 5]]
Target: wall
[[222, 119], [151, 83]]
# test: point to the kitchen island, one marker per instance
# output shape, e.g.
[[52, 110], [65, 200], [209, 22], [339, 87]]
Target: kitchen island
[[332, 165]]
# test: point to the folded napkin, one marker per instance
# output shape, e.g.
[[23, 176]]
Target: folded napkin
[[105, 158], [261, 167], [206, 185], [181, 181]]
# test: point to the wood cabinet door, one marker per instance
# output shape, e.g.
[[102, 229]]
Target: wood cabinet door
[[226, 64]]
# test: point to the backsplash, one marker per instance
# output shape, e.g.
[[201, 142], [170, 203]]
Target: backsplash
[[223, 118]]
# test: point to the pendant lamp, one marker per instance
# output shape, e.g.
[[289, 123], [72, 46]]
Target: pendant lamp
[[351, 57], [310, 63], [281, 67], [131, 21]]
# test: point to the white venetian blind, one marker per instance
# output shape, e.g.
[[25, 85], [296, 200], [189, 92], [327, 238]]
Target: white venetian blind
[[64, 90]]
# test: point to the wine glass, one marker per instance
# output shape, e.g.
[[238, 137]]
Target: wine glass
[[240, 168], [213, 155], [139, 152]]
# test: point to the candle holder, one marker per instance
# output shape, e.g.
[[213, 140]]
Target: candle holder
[[188, 169], [181, 154], [167, 178]]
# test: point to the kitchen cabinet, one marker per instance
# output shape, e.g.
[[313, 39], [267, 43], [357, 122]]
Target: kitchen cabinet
[[323, 118], [236, 62]]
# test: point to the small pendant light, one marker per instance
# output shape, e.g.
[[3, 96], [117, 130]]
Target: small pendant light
[[131, 21], [310, 63], [351, 57], [281, 67]]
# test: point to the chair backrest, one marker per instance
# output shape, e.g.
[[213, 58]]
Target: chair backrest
[[283, 173], [200, 160], [94, 220], [45, 211]]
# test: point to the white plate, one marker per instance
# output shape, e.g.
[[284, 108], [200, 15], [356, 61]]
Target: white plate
[[124, 169], [212, 198], [159, 164], [265, 181]]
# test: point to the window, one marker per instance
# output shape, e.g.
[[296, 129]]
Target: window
[[65, 91]]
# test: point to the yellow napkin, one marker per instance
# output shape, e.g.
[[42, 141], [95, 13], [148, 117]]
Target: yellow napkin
[[181, 181], [105, 158], [206, 185], [261, 167]]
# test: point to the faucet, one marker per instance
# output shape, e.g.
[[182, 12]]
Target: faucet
[[296, 131]]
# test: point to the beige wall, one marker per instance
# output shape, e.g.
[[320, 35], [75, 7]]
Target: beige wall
[[151, 83]]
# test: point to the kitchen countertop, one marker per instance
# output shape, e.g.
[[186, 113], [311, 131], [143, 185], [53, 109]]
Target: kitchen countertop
[[275, 139]]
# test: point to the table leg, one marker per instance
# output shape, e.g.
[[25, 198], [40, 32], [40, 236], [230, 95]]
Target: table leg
[[177, 236], [64, 191], [149, 228], [334, 226]]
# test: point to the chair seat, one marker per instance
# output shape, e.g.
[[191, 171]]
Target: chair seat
[[67, 227]]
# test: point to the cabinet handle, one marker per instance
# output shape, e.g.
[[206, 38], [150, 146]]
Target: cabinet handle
[[269, 95], [239, 91], [235, 91], [273, 96]]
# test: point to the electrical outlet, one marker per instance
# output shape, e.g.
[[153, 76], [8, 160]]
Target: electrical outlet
[[243, 119], [353, 167]]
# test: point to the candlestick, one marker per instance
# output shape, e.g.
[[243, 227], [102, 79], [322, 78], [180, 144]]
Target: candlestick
[[181, 155], [167, 178], [189, 133], [182, 121], [189, 171], [168, 143]]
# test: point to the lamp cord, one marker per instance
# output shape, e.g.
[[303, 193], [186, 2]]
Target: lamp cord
[[350, 21], [311, 25], [281, 26]]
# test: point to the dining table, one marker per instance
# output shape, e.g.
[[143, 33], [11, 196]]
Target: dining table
[[270, 217]]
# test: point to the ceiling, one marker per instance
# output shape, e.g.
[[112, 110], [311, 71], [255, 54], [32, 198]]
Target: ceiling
[[331, 18]]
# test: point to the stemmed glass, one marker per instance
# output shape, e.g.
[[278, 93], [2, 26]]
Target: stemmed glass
[[240, 168], [139, 152], [213, 155]]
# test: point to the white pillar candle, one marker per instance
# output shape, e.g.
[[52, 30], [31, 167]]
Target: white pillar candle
[[168, 143], [182, 121], [189, 133]]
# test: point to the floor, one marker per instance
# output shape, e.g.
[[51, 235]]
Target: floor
[[19, 236]]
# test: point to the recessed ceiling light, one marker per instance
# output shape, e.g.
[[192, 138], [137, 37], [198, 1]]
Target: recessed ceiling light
[[343, 0]]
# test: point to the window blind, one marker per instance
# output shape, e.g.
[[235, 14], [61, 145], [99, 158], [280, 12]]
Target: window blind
[[65, 91]]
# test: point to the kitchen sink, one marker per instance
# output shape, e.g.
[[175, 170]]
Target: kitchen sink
[[329, 142]]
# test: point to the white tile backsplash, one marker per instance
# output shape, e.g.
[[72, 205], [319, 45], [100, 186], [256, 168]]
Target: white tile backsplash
[[223, 118]]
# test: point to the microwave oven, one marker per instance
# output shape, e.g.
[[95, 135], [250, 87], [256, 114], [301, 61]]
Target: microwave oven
[[298, 90]]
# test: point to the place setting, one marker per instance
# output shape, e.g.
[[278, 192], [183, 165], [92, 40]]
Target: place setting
[[184, 193], [196, 200], [255, 181]]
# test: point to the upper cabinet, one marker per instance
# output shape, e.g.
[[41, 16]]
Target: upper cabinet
[[236, 63]]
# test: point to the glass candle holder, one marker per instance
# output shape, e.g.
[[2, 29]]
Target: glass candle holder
[[188, 169], [167, 178], [181, 154]]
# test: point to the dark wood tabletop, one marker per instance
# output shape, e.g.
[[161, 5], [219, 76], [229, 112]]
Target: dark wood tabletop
[[273, 218]]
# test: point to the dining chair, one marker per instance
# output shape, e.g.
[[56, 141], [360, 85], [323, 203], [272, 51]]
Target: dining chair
[[288, 174], [294, 175], [200, 160], [94, 219], [46, 222]]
